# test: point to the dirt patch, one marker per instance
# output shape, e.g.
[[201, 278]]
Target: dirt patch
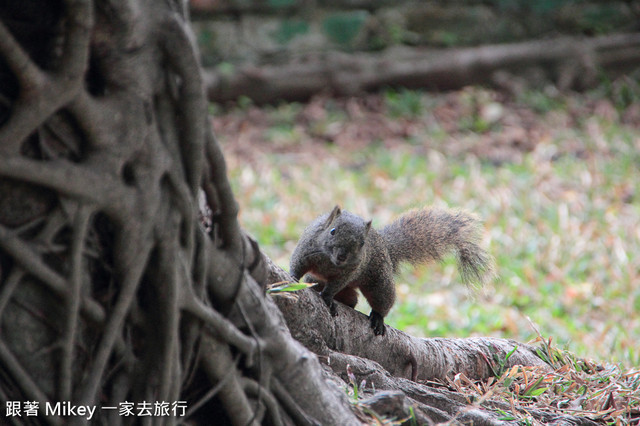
[[491, 125]]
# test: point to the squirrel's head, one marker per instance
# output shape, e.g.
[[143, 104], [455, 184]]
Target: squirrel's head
[[344, 237]]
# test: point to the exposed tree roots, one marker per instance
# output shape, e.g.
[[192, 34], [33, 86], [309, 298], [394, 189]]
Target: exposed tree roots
[[404, 367], [111, 289]]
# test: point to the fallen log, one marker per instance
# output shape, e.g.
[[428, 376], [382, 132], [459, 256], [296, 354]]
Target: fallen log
[[569, 62]]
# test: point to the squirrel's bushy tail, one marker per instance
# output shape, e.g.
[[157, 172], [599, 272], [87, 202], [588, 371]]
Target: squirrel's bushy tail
[[429, 234]]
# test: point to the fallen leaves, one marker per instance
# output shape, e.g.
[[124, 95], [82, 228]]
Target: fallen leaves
[[577, 387]]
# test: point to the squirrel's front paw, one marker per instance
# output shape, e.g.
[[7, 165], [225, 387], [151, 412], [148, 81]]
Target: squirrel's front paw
[[333, 309], [377, 323], [328, 300]]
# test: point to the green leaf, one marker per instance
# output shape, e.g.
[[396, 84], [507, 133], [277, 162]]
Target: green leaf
[[289, 287], [506, 358], [536, 392], [533, 389]]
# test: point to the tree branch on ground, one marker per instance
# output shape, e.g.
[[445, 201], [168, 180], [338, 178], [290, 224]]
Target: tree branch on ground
[[569, 62]]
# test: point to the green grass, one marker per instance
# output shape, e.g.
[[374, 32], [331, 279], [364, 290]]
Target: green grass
[[562, 215]]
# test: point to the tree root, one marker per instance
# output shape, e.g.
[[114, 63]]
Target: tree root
[[398, 370], [119, 277]]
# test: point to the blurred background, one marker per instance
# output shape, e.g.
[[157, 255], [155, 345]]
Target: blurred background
[[527, 113]]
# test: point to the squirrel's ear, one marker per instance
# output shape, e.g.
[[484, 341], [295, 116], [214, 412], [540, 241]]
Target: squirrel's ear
[[334, 213], [367, 226]]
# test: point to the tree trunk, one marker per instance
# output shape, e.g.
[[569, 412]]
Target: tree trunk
[[112, 291]]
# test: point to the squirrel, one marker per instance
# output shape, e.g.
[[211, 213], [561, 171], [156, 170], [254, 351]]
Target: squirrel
[[341, 252]]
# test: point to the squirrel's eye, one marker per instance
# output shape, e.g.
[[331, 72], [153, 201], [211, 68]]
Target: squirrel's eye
[[332, 231]]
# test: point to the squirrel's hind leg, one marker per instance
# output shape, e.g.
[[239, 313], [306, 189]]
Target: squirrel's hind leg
[[380, 294], [377, 323]]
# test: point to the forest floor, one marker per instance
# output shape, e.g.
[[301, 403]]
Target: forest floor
[[554, 176]]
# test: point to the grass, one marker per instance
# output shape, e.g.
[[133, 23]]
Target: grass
[[555, 178], [607, 395]]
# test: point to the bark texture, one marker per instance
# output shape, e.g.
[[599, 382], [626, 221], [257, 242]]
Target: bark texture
[[114, 286], [401, 371]]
